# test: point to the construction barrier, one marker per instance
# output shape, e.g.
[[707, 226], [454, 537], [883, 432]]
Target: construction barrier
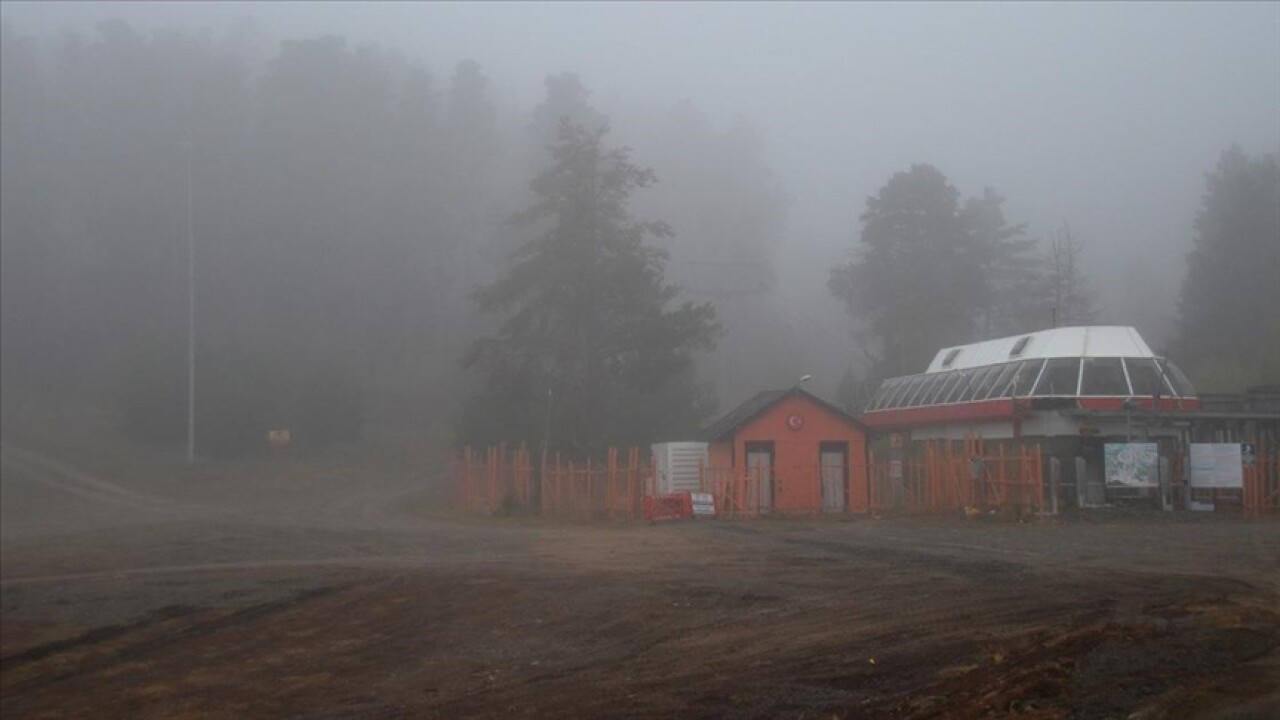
[[1261, 491], [737, 494], [498, 481], [789, 490], [675, 506], [952, 476], [938, 476]]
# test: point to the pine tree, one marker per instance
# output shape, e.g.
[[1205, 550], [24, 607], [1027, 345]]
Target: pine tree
[[930, 272], [1229, 333], [588, 347]]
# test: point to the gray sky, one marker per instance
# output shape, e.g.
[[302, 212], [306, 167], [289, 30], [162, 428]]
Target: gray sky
[[1105, 115]]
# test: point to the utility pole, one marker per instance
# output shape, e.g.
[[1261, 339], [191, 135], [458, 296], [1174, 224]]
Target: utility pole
[[191, 316]]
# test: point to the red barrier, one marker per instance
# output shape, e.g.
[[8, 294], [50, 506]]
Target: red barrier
[[676, 506]]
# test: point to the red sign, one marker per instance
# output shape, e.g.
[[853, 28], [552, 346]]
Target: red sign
[[675, 506], [795, 422]]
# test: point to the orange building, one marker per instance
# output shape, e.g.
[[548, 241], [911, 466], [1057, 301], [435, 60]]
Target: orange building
[[802, 454]]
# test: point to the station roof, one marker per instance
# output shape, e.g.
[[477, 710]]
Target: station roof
[[757, 405], [1084, 341]]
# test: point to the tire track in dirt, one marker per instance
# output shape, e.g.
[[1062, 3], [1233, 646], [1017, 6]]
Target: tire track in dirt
[[986, 570], [360, 561], [150, 642]]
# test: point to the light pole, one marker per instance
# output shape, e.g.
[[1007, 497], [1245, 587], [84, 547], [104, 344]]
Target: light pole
[[191, 317]]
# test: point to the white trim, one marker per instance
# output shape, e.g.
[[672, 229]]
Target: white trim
[[1031, 389], [1086, 341]]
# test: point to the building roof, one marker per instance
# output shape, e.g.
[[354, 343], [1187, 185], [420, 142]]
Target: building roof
[[1261, 399], [756, 406], [1180, 415], [1086, 341]]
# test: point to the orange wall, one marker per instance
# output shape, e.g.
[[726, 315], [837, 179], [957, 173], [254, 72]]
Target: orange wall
[[720, 455], [795, 452]]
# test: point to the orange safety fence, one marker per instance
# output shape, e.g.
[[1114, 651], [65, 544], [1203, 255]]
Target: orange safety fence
[[791, 490], [1261, 491], [737, 493], [486, 481], [497, 480], [949, 476]]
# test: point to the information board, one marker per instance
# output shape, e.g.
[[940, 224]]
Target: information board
[[1216, 465], [1132, 465]]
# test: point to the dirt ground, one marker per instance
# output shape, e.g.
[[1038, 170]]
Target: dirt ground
[[341, 597]]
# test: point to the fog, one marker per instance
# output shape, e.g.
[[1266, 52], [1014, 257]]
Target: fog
[[767, 125], [437, 359]]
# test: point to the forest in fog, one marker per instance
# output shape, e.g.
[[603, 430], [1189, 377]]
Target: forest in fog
[[346, 203], [355, 215]]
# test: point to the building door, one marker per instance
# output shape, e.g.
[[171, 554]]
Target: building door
[[1091, 473], [760, 471], [833, 459]]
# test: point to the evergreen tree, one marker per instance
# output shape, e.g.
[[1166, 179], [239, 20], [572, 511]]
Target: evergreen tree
[[588, 347], [1011, 299], [1229, 334], [930, 272], [567, 98]]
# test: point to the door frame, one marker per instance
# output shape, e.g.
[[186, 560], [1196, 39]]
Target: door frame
[[750, 446], [842, 447]]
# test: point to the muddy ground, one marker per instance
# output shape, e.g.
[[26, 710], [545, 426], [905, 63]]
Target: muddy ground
[[342, 597]]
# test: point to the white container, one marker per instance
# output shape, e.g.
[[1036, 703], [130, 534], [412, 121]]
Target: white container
[[676, 465]]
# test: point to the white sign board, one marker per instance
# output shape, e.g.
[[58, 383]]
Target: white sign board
[[1132, 465], [704, 504], [1216, 465]]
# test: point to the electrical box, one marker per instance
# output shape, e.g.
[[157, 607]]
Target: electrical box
[[677, 466]]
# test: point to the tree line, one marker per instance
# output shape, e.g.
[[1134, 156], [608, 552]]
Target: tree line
[[930, 271], [374, 242], [346, 203]]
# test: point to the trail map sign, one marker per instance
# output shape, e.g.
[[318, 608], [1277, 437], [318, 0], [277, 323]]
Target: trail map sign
[[1217, 465], [1132, 465]]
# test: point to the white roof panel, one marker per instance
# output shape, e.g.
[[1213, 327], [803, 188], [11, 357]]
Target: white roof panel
[[1088, 341]]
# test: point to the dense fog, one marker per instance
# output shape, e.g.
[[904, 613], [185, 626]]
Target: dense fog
[[354, 174]]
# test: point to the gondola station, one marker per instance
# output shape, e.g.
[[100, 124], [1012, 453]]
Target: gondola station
[[1114, 422], [1033, 424]]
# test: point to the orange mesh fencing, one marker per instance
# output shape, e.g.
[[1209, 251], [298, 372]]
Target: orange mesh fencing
[[788, 490], [497, 480], [950, 476], [1261, 491], [943, 477], [738, 494]]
